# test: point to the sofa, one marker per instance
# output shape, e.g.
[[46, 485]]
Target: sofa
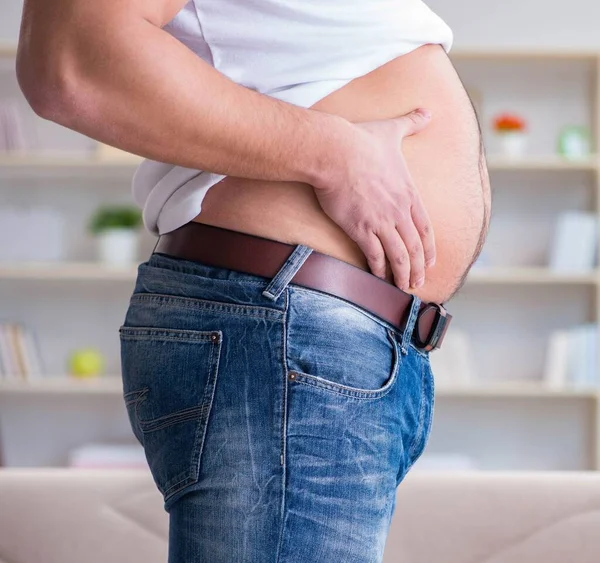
[[112, 516]]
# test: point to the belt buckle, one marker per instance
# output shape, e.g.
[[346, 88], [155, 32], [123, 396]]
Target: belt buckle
[[438, 327]]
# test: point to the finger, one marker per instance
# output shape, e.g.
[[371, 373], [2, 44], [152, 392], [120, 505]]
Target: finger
[[396, 253], [373, 251], [412, 241], [424, 227], [413, 122]]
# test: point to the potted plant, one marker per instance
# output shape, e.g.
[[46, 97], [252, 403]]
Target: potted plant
[[511, 131], [574, 142], [116, 228]]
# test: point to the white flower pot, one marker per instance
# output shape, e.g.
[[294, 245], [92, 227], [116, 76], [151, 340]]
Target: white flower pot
[[513, 145], [118, 247]]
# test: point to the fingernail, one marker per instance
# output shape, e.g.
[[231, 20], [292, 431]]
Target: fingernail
[[430, 262], [419, 282], [425, 113]]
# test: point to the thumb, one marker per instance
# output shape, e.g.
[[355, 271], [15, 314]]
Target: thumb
[[413, 122]]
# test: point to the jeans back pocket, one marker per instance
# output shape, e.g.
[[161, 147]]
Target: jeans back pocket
[[169, 381]]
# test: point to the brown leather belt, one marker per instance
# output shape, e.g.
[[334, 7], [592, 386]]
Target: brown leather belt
[[234, 250]]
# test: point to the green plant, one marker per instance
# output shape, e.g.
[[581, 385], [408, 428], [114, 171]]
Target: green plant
[[115, 217]]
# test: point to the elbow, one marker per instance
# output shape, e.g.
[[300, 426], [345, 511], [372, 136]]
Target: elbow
[[48, 87]]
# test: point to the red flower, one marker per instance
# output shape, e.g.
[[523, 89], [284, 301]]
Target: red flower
[[509, 122]]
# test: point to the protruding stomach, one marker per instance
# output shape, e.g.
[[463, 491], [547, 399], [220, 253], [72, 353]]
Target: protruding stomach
[[445, 162]]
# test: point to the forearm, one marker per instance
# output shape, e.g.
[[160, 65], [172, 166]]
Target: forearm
[[129, 84]]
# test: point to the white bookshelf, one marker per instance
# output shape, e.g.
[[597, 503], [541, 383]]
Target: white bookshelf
[[49, 160], [66, 271], [62, 159], [524, 54], [508, 404], [112, 385], [542, 162], [509, 309], [520, 276], [93, 271], [8, 50], [64, 385], [514, 390]]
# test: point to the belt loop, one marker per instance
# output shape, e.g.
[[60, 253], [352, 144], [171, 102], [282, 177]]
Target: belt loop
[[410, 324], [285, 274]]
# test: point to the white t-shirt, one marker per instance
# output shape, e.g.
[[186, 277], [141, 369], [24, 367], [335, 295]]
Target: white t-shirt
[[298, 51]]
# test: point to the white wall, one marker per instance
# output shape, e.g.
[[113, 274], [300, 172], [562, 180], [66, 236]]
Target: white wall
[[517, 23], [509, 23]]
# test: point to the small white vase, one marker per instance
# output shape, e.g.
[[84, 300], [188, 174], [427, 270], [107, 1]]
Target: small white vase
[[513, 144], [118, 247]]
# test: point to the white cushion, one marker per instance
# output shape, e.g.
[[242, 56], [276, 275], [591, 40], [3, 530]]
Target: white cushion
[[96, 516]]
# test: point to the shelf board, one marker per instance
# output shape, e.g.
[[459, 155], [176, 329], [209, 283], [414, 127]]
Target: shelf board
[[78, 162], [45, 164], [58, 385], [8, 50], [112, 385], [94, 271], [514, 389], [88, 271], [481, 275], [523, 53], [541, 162]]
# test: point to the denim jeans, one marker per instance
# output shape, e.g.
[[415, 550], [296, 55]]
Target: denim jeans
[[277, 420]]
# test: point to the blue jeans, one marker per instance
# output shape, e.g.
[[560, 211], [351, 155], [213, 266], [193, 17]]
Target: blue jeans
[[277, 420]]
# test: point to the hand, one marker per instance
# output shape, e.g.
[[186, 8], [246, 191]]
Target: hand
[[374, 200]]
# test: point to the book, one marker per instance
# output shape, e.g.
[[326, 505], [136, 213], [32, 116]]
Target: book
[[453, 362], [556, 365], [19, 353], [12, 136], [588, 352], [32, 352], [574, 246], [8, 361], [572, 357]]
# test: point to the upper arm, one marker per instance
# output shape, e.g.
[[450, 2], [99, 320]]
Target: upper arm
[[41, 16], [55, 35], [48, 27]]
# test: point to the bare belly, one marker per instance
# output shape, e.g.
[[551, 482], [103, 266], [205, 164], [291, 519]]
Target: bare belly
[[444, 161]]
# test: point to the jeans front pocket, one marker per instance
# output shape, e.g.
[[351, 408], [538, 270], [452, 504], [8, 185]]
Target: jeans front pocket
[[333, 379], [334, 346], [169, 380]]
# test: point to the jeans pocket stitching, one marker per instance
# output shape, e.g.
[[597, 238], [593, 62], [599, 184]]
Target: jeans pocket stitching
[[354, 392], [136, 396], [421, 353], [199, 413], [207, 403], [165, 334], [202, 417], [178, 486], [419, 433], [162, 422], [131, 406], [239, 309]]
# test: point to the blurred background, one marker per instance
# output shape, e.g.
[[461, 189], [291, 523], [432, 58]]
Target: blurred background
[[518, 383]]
